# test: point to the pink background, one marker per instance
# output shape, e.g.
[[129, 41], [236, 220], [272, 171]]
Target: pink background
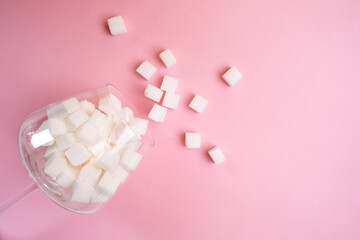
[[290, 128]]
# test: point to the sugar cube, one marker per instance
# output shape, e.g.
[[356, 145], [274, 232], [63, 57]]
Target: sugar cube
[[98, 148], [65, 141], [134, 145], [42, 138], [138, 125], [67, 177], [169, 84], [87, 133], [123, 115], [109, 159], [108, 184], [120, 173], [99, 197], [153, 93], [217, 155], [105, 129], [157, 113], [51, 150], [171, 100], [146, 70], [77, 154], [90, 173], [232, 76], [97, 118], [192, 140], [55, 165], [130, 159], [64, 109], [116, 25], [109, 104], [168, 58], [122, 136], [87, 106], [81, 191], [77, 118], [56, 126], [198, 103]]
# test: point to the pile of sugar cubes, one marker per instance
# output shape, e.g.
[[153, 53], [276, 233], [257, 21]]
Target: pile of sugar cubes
[[92, 148]]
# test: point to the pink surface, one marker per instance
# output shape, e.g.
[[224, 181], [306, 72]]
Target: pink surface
[[290, 128]]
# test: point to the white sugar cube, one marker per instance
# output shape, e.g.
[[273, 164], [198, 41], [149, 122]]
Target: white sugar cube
[[232, 76], [99, 197], [77, 118], [157, 113], [64, 109], [109, 104], [87, 106], [81, 191], [42, 138], [198, 103], [87, 133], [109, 159], [168, 58], [108, 184], [77, 154], [105, 129], [98, 148], [123, 115], [130, 159], [192, 140], [116, 25], [134, 145], [97, 118], [122, 136], [67, 177], [55, 165], [65, 141], [90, 173], [56, 126], [146, 70], [120, 173], [169, 84], [171, 100], [217, 155], [138, 125], [153, 93], [51, 150]]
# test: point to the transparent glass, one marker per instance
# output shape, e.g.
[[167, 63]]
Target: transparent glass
[[34, 160]]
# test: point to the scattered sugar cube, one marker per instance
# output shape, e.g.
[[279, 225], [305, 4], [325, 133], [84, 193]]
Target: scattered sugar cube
[[146, 70], [138, 125], [56, 126], [232, 76], [123, 115], [99, 197], [90, 173], [198, 103], [43, 138], [87, 133], [130, 159], [81, 191], [65, 141], [55, 165], [88, 107], [171, 100], [77, 154], [109, 159], [77, 118], [169, 84], [98, 148], [116, 25], [67, 177], [168, 58], [153, 93], [157, 113], [97, 118], [217, 155], [109, 104], [108, 184], [192, 140]]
